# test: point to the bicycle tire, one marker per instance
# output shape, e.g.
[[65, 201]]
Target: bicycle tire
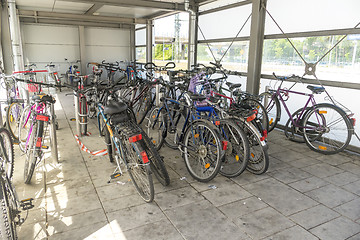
[[13, 114], [109, 145], [7, 225], [139, 172], [259, 158], [272, 107], [155, 126], [7, 152], [262, 114], [178, 118], [24, 128], [83, 116], [157, 164], [238, 149], [323, 139], [197, 167], [145, 105], [293, 133], [31, 154], [53, 137]]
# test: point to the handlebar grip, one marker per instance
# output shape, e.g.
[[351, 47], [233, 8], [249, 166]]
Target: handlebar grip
[[170, 65], [150, 65]]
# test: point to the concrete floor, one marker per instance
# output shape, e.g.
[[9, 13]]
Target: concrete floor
[[304, 195]]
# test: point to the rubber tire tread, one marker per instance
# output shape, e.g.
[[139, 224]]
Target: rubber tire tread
[[12, 160]]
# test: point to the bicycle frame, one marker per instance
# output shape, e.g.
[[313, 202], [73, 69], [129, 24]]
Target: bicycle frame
[[278, 93], [38, 109]]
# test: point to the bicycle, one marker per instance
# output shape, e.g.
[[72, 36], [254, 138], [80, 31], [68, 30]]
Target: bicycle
[[199, 141], [324, 127], [129, 147], [32, 129], [15, 104], [9, 204]]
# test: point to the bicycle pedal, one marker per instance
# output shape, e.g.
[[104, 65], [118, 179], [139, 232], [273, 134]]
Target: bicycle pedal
[[72, 119], [45, 147], [115, 175], [27, 204]]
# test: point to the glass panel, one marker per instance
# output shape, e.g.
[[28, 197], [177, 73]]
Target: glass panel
[[141, 54], [310, 15], [341, 64], [140, 37], [171, 40], [235, 59], [226, 23]]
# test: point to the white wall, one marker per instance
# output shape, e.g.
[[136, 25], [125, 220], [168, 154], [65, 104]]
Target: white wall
[[53, 43]]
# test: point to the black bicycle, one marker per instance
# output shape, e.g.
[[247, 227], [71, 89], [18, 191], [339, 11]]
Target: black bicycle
[[9, 203]]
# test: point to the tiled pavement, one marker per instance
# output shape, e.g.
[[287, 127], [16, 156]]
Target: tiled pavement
[[304, 195]]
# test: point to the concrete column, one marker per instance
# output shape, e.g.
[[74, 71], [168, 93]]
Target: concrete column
[[15, 35], [256, 46], [132, 44], [149, 40], [6, 47], [193, 37], [82, 49]]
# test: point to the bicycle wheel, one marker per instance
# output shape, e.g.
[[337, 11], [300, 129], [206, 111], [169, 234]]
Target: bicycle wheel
[[144, 106], [83, 116], [13, 114], [262, 114], [272, 106], [237, 152], [327, 129], [155, 126], [31, 154], [24, 127], [7, 152], [53, 137], [259, 158], [7, 225], [109, 145], [202, 150], [295, 133], [157, 164], [139, 170]]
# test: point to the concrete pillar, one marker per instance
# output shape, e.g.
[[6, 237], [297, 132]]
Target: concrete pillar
[[149, 40], [15, 35], [82, 50], [256, 46], [193, 37], [132, 44]]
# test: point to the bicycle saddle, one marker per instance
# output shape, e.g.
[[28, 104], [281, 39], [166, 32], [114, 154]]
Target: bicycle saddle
[[115, 107], [233, 85], [43, 98], [197, 97], [315, 89]]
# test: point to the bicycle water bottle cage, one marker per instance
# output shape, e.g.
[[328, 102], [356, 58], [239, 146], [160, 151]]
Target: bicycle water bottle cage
[[316, 90]]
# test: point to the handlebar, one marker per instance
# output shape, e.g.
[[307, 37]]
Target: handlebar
[[286, 77]]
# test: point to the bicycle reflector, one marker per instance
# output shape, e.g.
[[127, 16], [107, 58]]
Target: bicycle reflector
[[135, 138], [42, 118], [264, 135], [252, 117], [353, 121], [144, 157], [224, 145], [217, 123]]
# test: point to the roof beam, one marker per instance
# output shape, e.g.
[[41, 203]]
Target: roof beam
[[76, 23], [78, 17], [169, 6], [160, 14], [94, 8]]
